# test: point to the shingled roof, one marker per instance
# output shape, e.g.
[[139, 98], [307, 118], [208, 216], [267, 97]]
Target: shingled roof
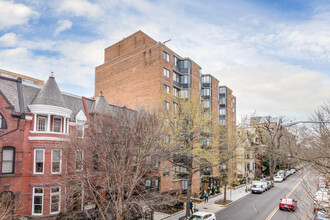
[[100, 106], [50, 94]]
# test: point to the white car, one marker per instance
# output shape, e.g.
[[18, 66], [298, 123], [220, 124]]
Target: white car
[[321, 196], [202, 216], [259, 187], [278, 179], [293, 171]]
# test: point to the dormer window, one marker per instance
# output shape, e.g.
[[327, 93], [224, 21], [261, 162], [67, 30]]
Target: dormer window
[[42, 123], [3, 124], [57, 124]]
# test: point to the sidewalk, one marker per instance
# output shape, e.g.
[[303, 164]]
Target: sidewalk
[[210, 206]]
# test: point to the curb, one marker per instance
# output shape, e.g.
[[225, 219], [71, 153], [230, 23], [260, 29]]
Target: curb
[[226, 206]]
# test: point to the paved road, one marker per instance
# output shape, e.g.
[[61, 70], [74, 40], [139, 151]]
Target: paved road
[[263, 206]]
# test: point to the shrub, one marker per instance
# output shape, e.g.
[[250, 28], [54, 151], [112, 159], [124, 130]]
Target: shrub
[[201, 194], [212, 191], [217, 189]]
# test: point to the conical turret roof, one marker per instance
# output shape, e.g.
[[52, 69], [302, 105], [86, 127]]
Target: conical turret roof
[[50, 94], [100, 106]]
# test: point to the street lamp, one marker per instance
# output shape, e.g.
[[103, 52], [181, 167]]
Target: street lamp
[[290, 124]]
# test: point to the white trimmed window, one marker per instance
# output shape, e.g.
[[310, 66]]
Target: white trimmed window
[[79, 160], [166, 105], [42, 123], [166, 73], [39, 161], [166, 57], [80, 129], [8, 160], [37, 201], [57, 124], [55, 200], [56, 161], [166, 89]]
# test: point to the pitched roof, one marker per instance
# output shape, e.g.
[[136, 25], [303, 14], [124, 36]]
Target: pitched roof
[[50, 94], [100, 106]]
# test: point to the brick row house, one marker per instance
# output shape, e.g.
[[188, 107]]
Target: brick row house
[[35, 126]]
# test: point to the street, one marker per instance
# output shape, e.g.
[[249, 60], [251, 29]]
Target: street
[[265, 205]]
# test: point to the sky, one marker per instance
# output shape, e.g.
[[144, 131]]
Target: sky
[[274, 55]]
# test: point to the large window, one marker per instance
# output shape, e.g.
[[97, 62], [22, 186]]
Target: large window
[[80, 129], [185, 93], [222, 90], [176, 77], [206, 92], [42, 123], [176, 92], [206, 79], [3, 124], [39, 161], [175, 61], [56, 161], [206, 103], [55, 200], [57, 124], [166, 89], [222, 101], [37, 201], [222, 111], [166, 73], [79, 160], [166, 105], [148, 184], [185, 79], [166, 57], [8, 160]]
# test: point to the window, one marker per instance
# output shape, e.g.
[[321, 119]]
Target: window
[[222, 101], [222, 90], [166, 122], [166, 139], [185, 93], [157, 184], [222, 121], [233, 100], [184, 79], [233, 109], [166, 73], [176, 92], [55, 200], [80, 129], [206, 103], [222, 111], [206, 92], [39, 161], [175, 106], [38, 199], [176, 77], [57, 124], [8, 160], [56, 161], [166, 57], [166, 105], [175, 61], [42, 123], [148, 184], [206, 79], [3, 124], [166, 172], [157, 164], [166, 89], [79, 160]]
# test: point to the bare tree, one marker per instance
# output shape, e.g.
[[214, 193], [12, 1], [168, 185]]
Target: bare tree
[[116, 166], [8, 204]]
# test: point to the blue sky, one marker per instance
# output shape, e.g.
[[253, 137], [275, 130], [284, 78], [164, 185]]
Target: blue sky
[[275, 55]]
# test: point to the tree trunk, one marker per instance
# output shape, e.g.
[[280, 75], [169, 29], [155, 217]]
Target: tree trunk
[[190, 174], [225, 192]]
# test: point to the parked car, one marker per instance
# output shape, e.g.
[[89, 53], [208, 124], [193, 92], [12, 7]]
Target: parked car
[[202, 216], [288, 204], [321, 206], [282, 174], [321, 196], [270, 184], [278, 179], [322, 216], [287, 173], [293, 171], [259, 187]]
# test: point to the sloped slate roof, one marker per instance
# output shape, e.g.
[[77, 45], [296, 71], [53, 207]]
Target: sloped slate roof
[[9, 89], [100, 106], [50, 94]]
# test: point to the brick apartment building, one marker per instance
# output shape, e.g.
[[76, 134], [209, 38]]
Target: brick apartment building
[[136, 72], [35, 125]]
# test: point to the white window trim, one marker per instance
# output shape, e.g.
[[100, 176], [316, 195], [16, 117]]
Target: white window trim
[[42, 203], [61, 130], [46, 123], [51, 169], [82, 160], [43, 164], [59, 200]]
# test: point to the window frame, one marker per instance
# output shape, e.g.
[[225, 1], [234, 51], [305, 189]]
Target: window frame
[[166, 56], [43, 161], [166, 73], [166, 105], [60, 167], [13, 161], [42, 200], [82, 160], [166, 89], [45, 117], [61, 130], [3, 123], [59, 199]]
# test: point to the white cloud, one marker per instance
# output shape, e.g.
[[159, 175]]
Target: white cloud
[[9, 39], [80, 8], [15, 14], [62, 26]]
